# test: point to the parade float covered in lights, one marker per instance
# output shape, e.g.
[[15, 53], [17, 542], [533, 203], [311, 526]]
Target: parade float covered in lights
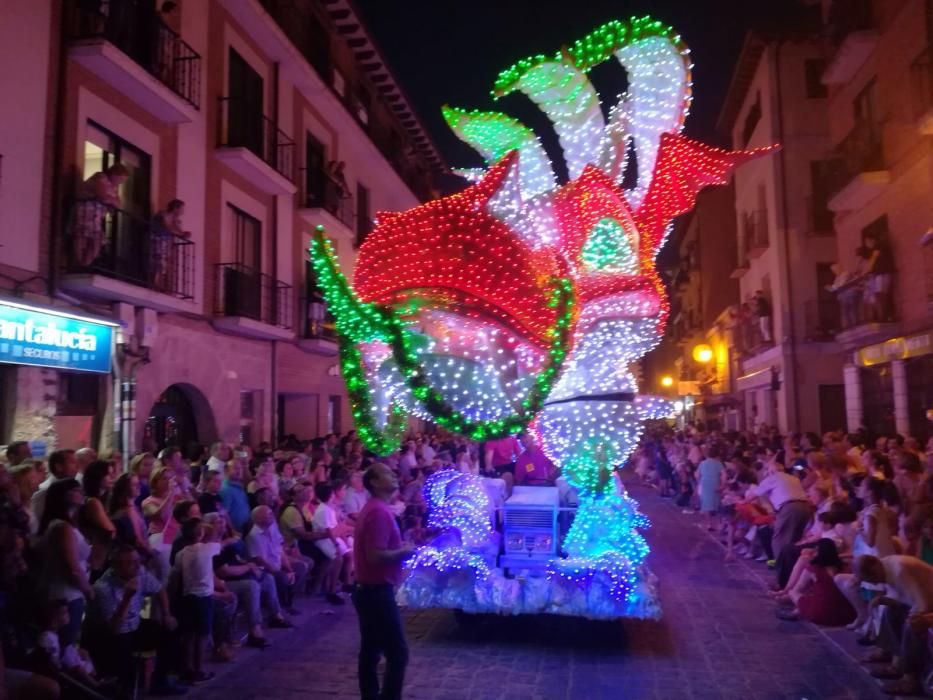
[[521, 303]]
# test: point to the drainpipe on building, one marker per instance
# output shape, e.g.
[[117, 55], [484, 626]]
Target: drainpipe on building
[[790, 373], [129, 360], [273, 385], [56, 209]]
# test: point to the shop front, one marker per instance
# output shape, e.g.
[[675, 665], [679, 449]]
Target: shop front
[[894, 382], [55, 372]]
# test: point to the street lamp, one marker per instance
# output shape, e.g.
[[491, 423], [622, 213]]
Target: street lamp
[[702, 353], [667, 381]]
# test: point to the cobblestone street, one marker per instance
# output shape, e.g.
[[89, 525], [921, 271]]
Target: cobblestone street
[[719, 639]]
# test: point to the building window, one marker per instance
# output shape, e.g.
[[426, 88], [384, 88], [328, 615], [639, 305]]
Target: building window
[[751, 120], [920, 396], [878, 399], [77, 394], [248, 411], [103, 148], [821, 218], [364, 219], [813, 69], [247, 240], [865, 108], [333, 415]]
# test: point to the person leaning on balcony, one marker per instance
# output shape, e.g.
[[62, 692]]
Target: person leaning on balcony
[[96, 195], [763, 311], [166, 225], [335, 169], [847, 293], [880, 270]]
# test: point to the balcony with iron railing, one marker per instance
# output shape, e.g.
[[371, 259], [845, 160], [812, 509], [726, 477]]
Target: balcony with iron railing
[[313, 35], [111, 254], [853, 32], [318, 331], [326, 201], [252, 303], [130, 48], [751, 335], [866, 310], [251, 144], [856, 171], [821, 320]]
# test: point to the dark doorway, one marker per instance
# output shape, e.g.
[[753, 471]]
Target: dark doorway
[[245, 119], [171, 420], [832, 407], [878, 400]]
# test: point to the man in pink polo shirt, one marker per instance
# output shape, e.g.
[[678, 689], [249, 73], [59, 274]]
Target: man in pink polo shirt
[[378, 552]]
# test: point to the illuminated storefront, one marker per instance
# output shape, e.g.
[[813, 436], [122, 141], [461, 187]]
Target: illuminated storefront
[[55, 371]]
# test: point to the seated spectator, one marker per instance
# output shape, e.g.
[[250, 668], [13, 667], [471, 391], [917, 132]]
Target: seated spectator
[[355, 497], [116, 630], [877, 522], [266, 547], [906, 615], [285, 471], [209, 499], [63, 663], [265, 476], [908, 475], [252, 586], [233, 496], [336, 546], [812, 591]]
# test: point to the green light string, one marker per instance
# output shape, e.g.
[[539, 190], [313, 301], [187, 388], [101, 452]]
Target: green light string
[[453, 420], [360, 322], [596, 47], [381, 441]]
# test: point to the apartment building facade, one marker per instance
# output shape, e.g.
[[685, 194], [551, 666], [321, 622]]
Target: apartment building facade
[[267, 119], [703, 310], [789, 372], [880, 113]]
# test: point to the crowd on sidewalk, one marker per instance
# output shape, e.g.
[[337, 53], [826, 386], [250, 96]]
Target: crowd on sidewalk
[[845, 521], [116, 582]]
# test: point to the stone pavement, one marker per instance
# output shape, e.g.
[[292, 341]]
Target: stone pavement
[[719, 639]]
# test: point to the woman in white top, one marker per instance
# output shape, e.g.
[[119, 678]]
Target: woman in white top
[[337, 546], [877, 522], [877, 525], [65, 555]]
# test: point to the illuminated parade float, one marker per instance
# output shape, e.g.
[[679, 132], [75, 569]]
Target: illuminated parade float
[[520, 304]]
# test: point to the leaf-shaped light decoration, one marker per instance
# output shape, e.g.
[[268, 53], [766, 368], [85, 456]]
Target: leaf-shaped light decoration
[[565, 95], [494, 135]]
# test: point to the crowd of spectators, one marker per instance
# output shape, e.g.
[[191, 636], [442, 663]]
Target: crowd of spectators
[[845, 521], [116, 583]]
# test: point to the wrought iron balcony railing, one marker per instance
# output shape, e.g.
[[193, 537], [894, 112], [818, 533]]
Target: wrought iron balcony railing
[[116, 244]]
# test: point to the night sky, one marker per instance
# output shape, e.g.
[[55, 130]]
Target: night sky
[[450, 52]]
